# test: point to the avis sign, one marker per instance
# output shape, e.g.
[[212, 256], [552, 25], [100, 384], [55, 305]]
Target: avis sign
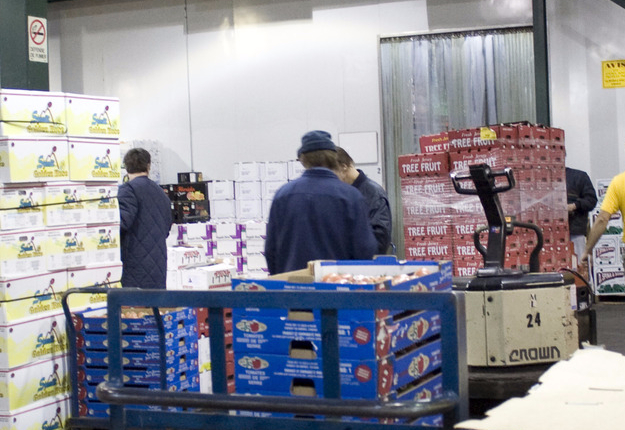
[[37, 39], [613, 73]]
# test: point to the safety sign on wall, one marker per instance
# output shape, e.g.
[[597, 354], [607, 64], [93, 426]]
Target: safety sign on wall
[[37, 39], [613, 74]]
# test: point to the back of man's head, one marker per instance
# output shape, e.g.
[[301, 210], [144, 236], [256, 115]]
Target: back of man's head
[[318, 150], [137, 160]]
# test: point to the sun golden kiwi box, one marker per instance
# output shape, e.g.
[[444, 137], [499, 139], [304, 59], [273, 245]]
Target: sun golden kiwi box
[[31, 159], [49, 283], [22, 251], [21, 386], [108, 276], [65, 247], [20, 207], [45, 414], [32, 340], [102, 243], [101, 203], [91, 116], [65, 204], [94, 159], [28, 113]]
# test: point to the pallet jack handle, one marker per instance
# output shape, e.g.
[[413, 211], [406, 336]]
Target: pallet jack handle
[[486, 189]]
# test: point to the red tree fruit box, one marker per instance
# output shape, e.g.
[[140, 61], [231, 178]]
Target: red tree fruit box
[[434, 143], [429, 247], [461, 160], [467, 139], [423, 164], [415, 213], [464, 247], [435, 228], [466, 225], [467, 266], [437, 186]]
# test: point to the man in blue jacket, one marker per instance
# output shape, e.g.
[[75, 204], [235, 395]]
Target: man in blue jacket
[[317, 216], [375, 196], [145, 221]]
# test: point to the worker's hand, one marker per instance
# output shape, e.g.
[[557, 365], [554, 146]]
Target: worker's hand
[[571, 207]]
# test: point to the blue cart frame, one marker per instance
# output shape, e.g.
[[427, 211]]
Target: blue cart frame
[[210, 411]]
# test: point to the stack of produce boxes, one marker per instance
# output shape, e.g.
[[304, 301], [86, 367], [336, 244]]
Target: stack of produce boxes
[[426, 195], [47, 243], [607, 255], [536, 156], [383, 354], [140, 353]]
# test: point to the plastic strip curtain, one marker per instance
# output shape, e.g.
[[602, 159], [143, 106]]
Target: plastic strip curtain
[[436, 82]]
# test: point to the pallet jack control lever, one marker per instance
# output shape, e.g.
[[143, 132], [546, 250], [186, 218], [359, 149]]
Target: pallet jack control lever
[[498, 227]]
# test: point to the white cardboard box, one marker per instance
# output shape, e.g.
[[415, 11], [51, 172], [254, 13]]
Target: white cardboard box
[[221, 190], [249, 209], [101, 203], [216, 276], [275, 171], [222, 209], [295, 169], [32, 159], [32, 340], [91, 116], [22, 251], [102, 244], [247, 171], [21, 386], [32, 113], [248, 190], [65, 204], [65, 247], [94, 159], [270, 188], [26, 201]]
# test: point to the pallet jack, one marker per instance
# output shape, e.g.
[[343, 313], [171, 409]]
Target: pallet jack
[[519, 322]]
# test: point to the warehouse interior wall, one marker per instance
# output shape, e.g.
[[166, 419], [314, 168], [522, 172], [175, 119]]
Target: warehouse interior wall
[[220, 81]]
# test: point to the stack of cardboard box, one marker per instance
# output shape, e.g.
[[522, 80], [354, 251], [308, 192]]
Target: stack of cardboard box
[[431, 205], [59, 229]]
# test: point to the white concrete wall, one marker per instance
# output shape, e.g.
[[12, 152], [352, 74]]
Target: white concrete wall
[[582, 34], [247, 78]]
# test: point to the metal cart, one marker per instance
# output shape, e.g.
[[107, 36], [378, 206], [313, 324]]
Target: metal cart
[[213, 411]]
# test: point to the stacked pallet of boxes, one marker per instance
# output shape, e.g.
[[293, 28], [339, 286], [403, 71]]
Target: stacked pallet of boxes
[[57, 231], [140, 353], [536, 156], [383, 354], [607, 255]]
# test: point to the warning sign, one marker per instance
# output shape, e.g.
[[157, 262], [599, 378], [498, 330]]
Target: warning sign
[[37, 39], [613, 74]]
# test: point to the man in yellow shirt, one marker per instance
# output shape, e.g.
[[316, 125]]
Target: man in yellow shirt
[[613, 202]]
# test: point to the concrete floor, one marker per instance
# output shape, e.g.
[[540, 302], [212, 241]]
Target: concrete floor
[[611, 323]]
